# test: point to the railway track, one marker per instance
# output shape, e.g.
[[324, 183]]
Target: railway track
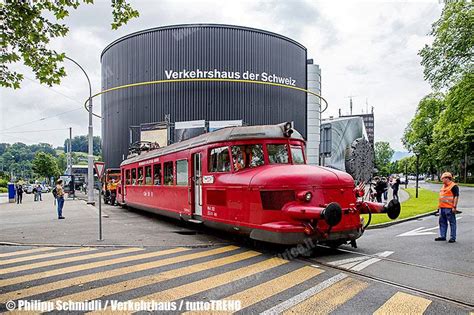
[[396, 284]]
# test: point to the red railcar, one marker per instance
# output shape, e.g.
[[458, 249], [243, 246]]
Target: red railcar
[[250, 180]]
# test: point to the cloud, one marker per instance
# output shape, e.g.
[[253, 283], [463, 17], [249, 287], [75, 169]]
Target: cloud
[[364, 48]]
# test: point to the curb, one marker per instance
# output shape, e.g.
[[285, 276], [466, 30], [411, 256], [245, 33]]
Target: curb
[[387, 224], [112, 245]]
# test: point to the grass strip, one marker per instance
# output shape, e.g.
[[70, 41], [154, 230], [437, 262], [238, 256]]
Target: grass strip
[[427, 201]]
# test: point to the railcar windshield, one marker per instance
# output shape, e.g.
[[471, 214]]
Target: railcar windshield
[[297, 155], [278, 153], [247, 156]]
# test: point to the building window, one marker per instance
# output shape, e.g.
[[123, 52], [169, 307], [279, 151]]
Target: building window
[[297, 155], [219, 160], [277, 153], [168, 169], [182, 172], [157, 174], [148, 180]]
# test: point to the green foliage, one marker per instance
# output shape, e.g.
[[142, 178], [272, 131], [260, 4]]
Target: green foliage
[[453, 134], [3, 190], [383, 154], [451, 55], [81, 144], [17, 157], [418, 136], [3, 183], [45, 165], [28, 27]]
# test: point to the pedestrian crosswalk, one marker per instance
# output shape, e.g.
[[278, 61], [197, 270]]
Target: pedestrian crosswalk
[[259, 282]]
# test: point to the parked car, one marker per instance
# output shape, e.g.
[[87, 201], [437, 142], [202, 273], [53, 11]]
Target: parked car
[[28, 189], [45, 188]]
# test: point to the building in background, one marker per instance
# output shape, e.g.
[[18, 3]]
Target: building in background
[[204, 51], [368, 123]]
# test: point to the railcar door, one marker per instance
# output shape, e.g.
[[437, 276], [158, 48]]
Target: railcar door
[[197, 183]]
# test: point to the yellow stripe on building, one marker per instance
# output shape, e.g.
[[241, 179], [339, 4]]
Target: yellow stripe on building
[[111, 273], [403, 303], [330, 298], [27, 251], [157, 278]]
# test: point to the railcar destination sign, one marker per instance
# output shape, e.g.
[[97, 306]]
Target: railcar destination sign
[[235, 75]]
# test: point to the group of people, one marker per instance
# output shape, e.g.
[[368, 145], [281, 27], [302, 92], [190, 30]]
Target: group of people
[[19, 190], [382, 185]]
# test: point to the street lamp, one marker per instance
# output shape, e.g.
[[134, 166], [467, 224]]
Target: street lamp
[[90, 156]]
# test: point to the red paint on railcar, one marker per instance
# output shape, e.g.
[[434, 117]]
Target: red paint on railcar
[[249, 180]]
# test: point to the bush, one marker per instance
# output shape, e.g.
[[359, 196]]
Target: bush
[[3, 183], [3, 189]]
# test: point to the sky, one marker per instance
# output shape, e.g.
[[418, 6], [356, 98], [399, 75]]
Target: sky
[[367, 49]]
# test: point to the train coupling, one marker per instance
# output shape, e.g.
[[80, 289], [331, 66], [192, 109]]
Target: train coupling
[[331, 214]]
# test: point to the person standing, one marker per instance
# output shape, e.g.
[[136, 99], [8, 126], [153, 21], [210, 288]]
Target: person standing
[[19, 192], [396, 187], [39, 190], [60, 198], [35, 192], [379, 188], [385, 188], [448, 201]]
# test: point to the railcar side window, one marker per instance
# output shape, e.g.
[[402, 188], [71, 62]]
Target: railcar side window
[[219, 160], [157, 174], [134, 176], [247, 156], [297, 155], [182, 172], [127, 177], [277, 153], [168, 168], [140, 176], [148, 175]]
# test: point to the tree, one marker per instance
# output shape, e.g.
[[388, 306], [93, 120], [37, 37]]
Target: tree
[[453, 134], [451, 55], [418, 136], [383, 154], [45, 165], [28, 27], [81, 144]]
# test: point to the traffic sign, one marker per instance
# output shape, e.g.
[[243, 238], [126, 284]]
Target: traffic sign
[[99, 169]]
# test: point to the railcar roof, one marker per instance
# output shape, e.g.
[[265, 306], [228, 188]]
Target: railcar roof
[[221, 135]]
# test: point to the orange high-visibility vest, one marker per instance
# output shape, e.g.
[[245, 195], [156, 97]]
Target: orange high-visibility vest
[[446, 196]]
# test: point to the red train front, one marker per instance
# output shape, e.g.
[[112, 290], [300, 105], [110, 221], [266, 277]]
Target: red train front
[[250, 180]]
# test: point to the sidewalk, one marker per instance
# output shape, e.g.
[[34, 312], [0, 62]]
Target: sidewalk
[[37, 223]]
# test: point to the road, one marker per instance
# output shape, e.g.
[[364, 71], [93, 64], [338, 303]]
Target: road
[[260, 282], [148, 258], [414, 259]]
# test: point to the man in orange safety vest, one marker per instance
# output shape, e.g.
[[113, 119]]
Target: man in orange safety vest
[[448, 201]]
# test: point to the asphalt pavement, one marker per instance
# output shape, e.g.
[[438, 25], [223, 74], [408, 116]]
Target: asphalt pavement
[[413, 257]]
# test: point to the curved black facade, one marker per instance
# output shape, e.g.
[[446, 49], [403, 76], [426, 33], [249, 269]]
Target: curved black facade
[[151, 54]]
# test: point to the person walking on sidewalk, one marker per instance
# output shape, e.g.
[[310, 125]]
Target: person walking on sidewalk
[[448, 201], [59, 197]]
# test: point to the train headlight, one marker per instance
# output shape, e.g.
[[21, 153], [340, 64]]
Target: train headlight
[[305, 196]]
